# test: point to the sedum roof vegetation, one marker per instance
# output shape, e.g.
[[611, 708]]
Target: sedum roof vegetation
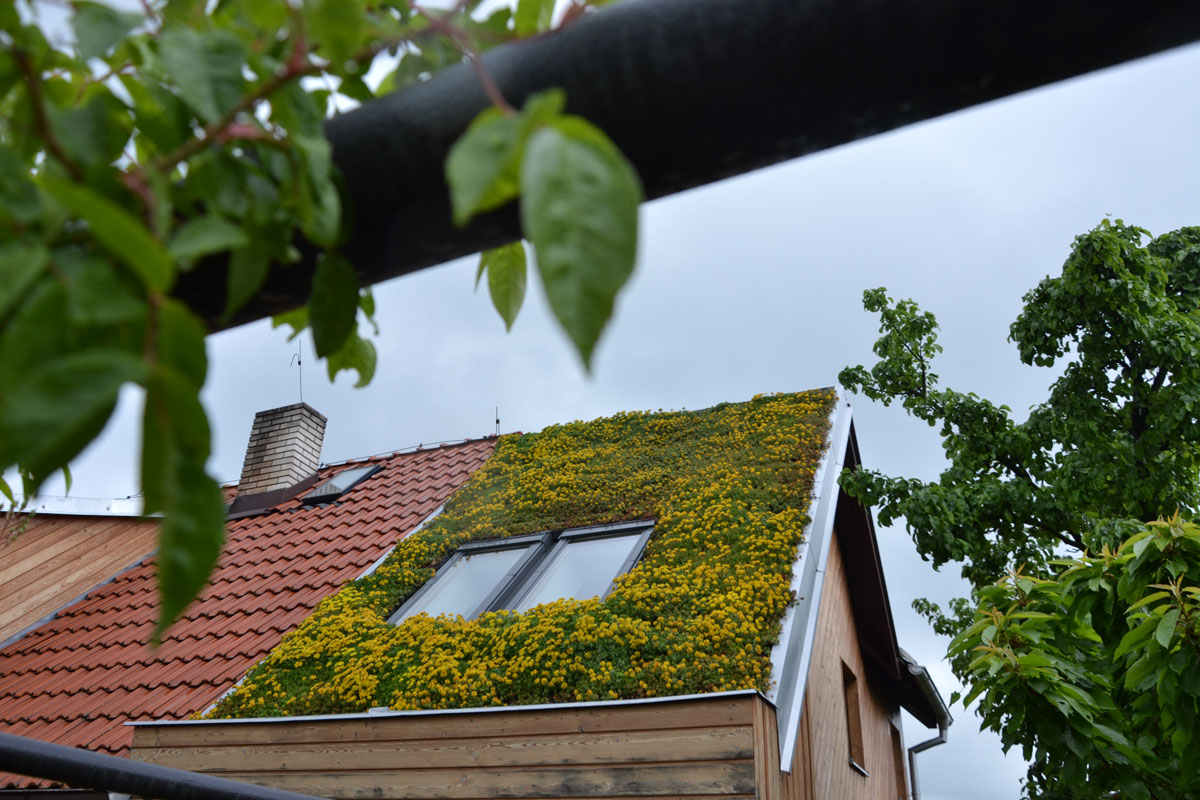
[[729, 488]]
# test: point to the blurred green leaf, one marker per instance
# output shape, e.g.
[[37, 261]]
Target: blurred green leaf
[[335, 26], [356, 354], [579, 208], [333, 304], [21, 264], [203, 235], [19, 195], [533, 16], [483, 167], [181, 342], [48, 418], [117, 231], [506, 270], [207, 68], [99, 27], [175, 446], [96, 293], [248, 268]]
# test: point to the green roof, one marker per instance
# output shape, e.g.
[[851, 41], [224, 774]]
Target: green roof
[[729, 489]]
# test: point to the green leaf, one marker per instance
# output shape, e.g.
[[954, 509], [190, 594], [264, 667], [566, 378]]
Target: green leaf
[[19, 195], [189, 541], [1166, 627], [579, 205], [248, 268], [119, 232], [356, 354], [21, 264], [506, 279], [206, 67], [48, 418], [175, 444], [483, 167], [98, 28], [333, 304], [482, 268], [181, 342], [533, 16], [1148, 599], [96, 293], [296, 319], [335, 26], [478, 168], [1113, 735], [92, 134], [203, 235], [1134, 637], [1143, 668]]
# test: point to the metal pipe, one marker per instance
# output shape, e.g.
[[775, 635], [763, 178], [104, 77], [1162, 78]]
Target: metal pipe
[[944, 720], [693, 92], [85, 769]]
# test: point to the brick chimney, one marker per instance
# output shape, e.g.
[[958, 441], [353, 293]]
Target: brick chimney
[[284, 449]]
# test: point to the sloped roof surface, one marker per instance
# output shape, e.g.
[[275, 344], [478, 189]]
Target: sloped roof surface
[[78, 678], [40, 565]]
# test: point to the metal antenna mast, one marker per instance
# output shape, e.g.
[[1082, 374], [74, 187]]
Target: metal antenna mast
[[299, 362]]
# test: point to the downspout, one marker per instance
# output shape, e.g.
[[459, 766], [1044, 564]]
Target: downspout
[[943, 720]]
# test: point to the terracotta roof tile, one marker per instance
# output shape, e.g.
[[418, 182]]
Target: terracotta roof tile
[[79, 677]]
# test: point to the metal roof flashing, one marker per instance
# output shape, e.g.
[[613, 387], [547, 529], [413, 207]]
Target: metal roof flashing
[[791, 655], [434, 712]]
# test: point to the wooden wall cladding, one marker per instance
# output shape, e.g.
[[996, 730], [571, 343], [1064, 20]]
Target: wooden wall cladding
[[720, 746], [693, 748], [55, 559], [822, 768]]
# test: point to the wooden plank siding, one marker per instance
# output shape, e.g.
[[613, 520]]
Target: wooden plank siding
[[697, 748], [821, 768], [58, 558], [701, 749]]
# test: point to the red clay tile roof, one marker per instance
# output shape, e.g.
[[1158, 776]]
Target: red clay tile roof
[[77, 679]]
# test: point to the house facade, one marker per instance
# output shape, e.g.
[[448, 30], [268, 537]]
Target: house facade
[[668, 605]]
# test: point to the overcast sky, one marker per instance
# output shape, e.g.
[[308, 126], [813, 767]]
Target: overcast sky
[[754, 285]]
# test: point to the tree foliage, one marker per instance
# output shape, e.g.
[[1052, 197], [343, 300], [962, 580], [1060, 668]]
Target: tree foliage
[[188, 136], [1093, 670], [1087, 663], [1115, 438]]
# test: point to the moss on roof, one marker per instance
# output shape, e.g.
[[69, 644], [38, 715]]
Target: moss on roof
[[729, 488]]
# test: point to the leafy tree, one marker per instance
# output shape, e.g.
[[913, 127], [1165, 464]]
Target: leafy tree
[[1093, 671], [190, 134], [1048, 649]]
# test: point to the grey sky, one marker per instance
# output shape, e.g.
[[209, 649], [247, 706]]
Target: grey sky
[[754, 285]]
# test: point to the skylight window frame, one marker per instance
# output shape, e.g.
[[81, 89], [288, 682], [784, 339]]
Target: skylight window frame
[[520, 580], [537, 543], [311, 498], [590, 533]]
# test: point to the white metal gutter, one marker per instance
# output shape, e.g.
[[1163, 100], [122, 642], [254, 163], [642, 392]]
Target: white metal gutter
[[792, 654]]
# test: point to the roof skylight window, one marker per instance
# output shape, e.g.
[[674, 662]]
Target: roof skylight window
[[521, 572], [339, 484]]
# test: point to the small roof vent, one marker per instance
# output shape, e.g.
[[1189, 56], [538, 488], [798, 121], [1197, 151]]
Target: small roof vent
[[339, 484]]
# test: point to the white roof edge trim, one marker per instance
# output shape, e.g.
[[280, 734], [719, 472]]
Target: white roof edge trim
[[379, 561], [426, 712], [86, 506], [792, 654]]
